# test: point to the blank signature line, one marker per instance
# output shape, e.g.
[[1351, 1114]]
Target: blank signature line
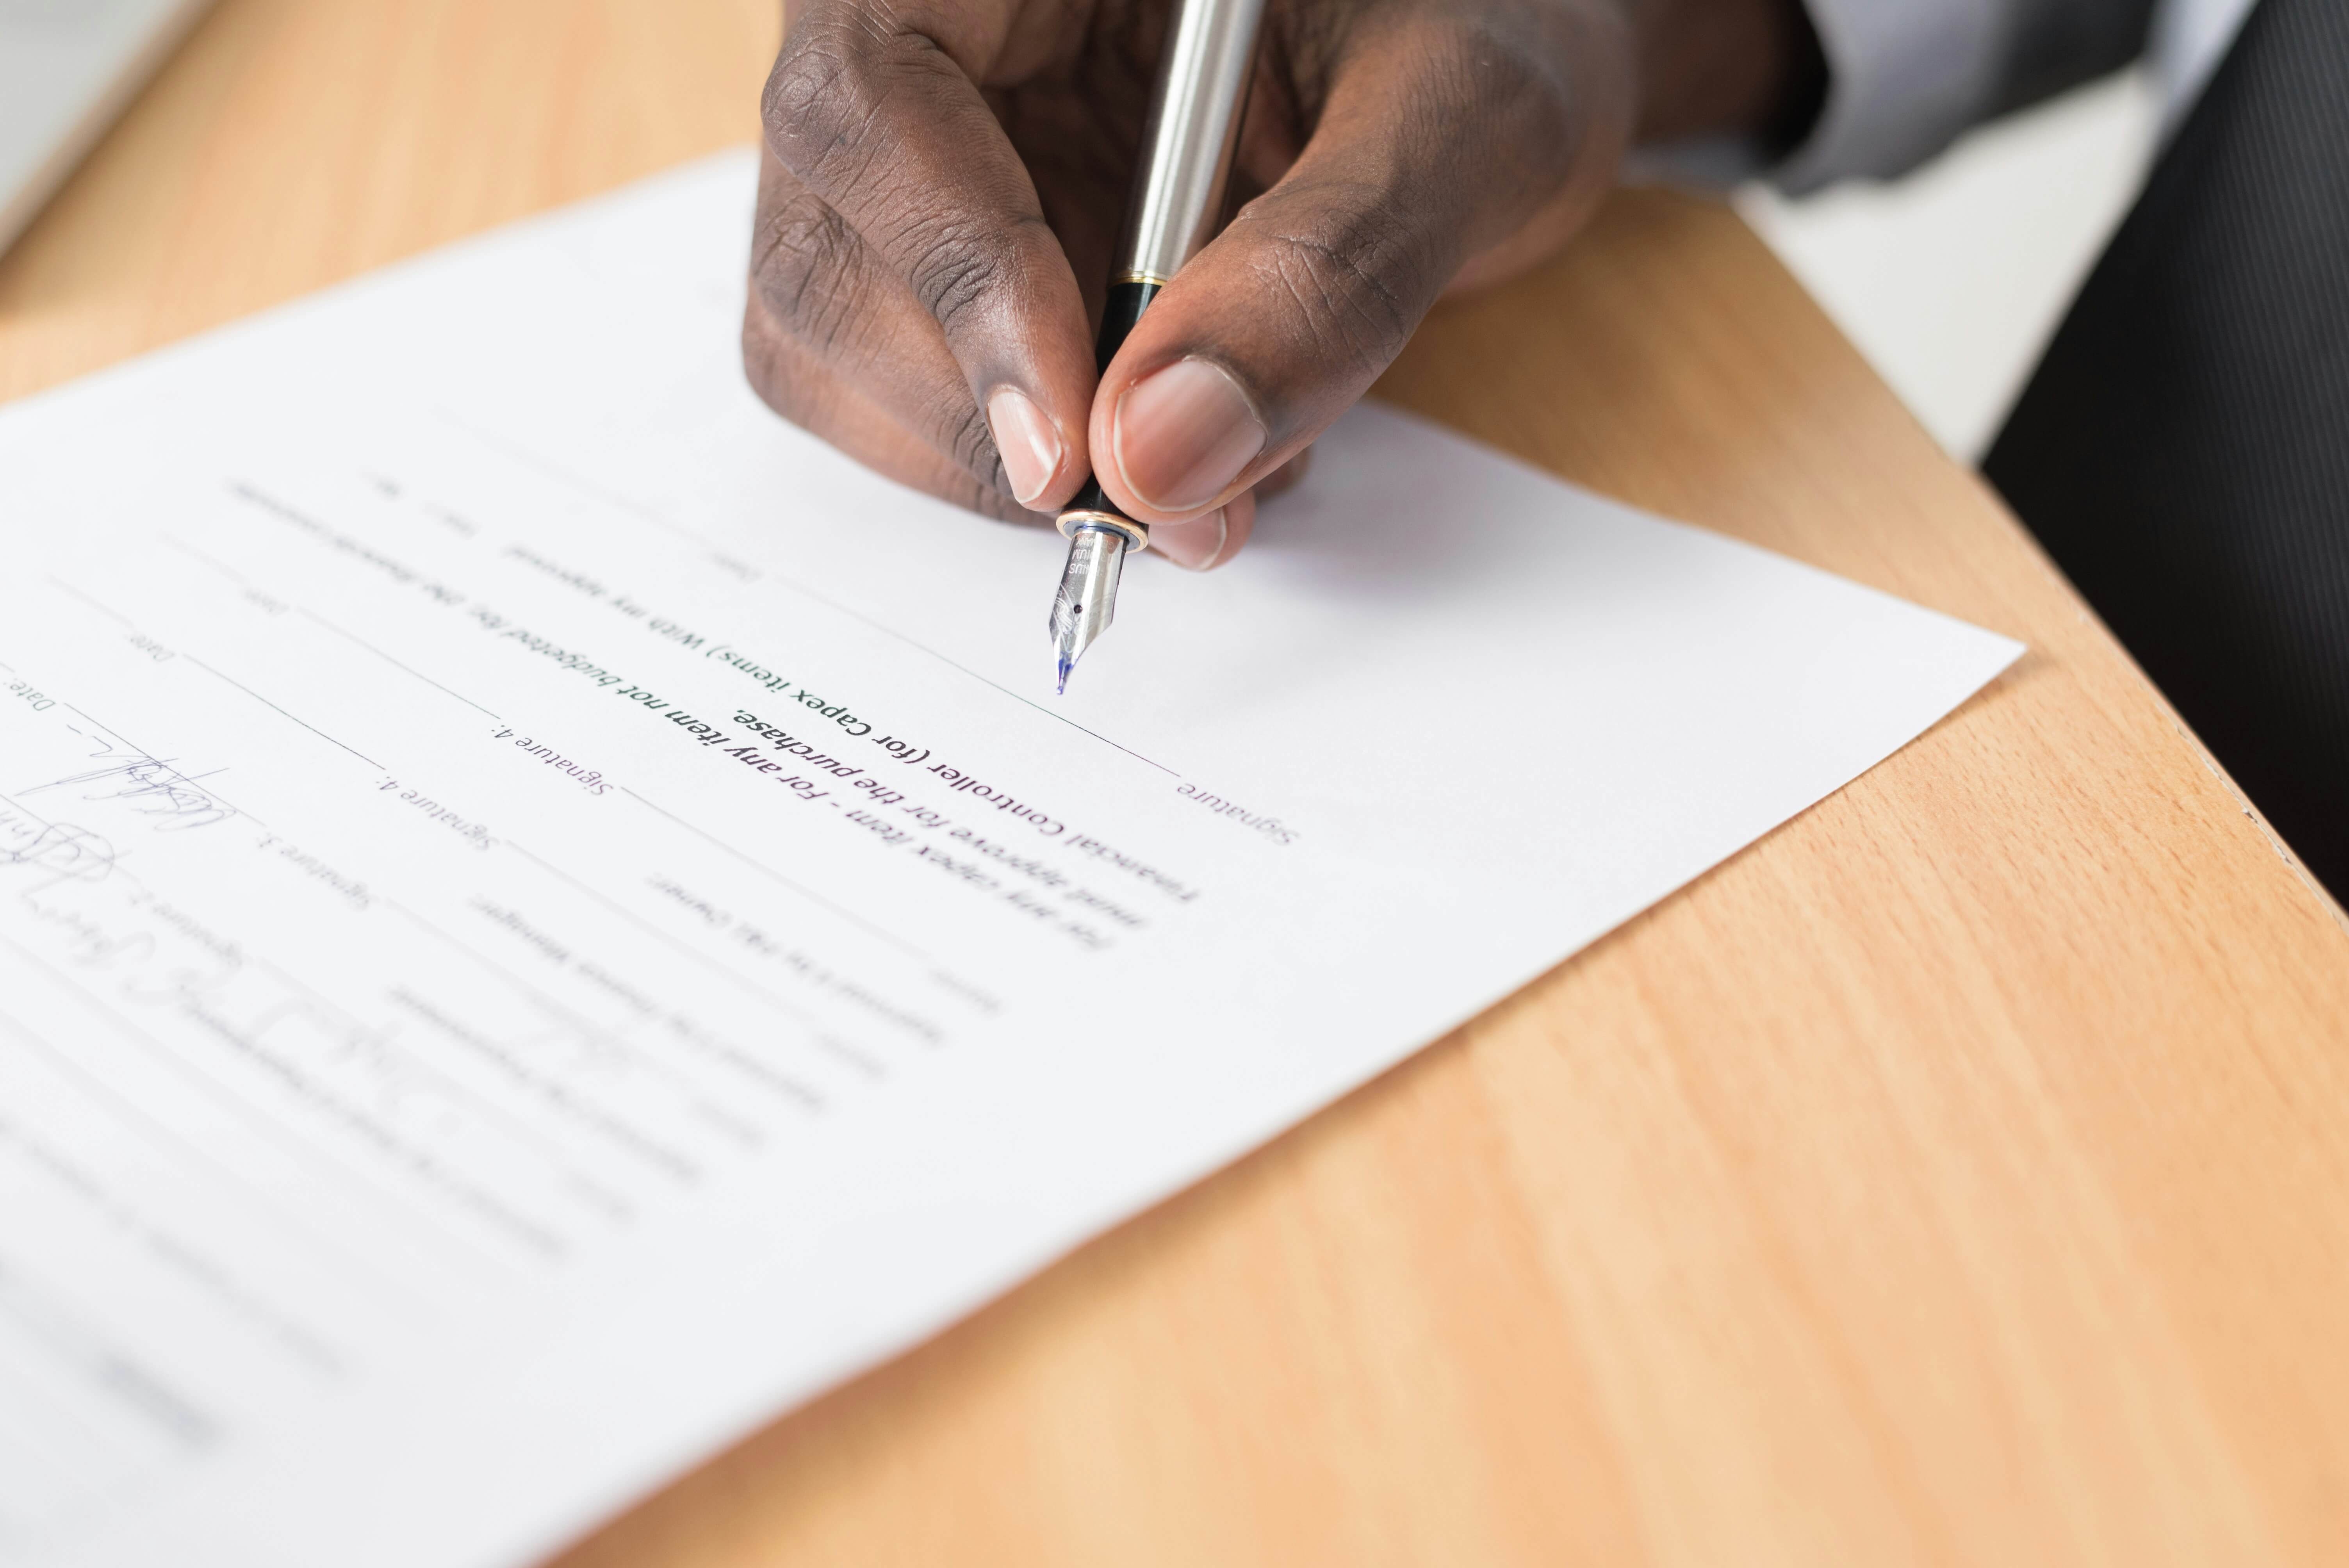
[[274, 708], [386, 658]]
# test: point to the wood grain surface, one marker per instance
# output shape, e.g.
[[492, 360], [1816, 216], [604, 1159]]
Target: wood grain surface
[[1960, 1175]]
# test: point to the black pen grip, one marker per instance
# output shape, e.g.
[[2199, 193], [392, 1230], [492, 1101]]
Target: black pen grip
[[1127, 300]]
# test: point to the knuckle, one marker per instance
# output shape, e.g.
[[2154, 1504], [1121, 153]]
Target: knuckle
[[805, 258], [959, 269], [1500, 81], [950, 277], [1357, 276], [820, 99], [856, 111], [838, 83]]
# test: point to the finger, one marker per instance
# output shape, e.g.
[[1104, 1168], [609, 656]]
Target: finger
[[1440, 138], [1207, 541], [797, 385], [1285, 478], [877, 111], [820, 284]]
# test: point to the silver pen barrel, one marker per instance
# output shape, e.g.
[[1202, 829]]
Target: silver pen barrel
[[1188, 140], [1173, 210]]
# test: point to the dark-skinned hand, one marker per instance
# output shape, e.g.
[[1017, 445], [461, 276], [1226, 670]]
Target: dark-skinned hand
[[944, 181]]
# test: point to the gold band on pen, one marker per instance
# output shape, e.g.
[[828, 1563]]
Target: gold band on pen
[[1136, 535], [1151, 278]]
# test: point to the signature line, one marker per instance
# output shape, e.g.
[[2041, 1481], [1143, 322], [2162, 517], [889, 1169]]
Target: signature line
[[317, 620], [274, 708], [386, 658]]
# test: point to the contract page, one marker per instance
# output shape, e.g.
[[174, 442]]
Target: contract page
[[545, 915]]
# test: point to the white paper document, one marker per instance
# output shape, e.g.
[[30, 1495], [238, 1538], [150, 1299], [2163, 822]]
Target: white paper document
[[546, 916]]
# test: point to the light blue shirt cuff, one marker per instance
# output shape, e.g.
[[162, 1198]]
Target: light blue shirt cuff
[[1904, 77]]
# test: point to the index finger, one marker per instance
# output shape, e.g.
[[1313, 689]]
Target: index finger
[[876, 110]]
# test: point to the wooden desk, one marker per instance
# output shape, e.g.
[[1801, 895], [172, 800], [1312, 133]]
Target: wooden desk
[[1958, 1176]]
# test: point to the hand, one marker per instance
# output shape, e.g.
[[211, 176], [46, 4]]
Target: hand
[[944, 181]]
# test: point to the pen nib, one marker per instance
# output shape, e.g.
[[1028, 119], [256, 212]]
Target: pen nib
[[1083, 609]]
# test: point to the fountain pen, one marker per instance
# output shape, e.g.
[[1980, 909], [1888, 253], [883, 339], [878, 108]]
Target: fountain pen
[[1175, 207]]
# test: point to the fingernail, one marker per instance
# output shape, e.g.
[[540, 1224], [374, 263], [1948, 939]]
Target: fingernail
[[1193, 545], [1030, 447], [1184, 434]]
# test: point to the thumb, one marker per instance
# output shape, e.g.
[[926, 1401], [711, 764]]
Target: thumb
[[1441, 138]]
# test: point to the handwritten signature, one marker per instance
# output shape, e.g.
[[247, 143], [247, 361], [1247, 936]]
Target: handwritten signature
[[69, 853], [153, 787]]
